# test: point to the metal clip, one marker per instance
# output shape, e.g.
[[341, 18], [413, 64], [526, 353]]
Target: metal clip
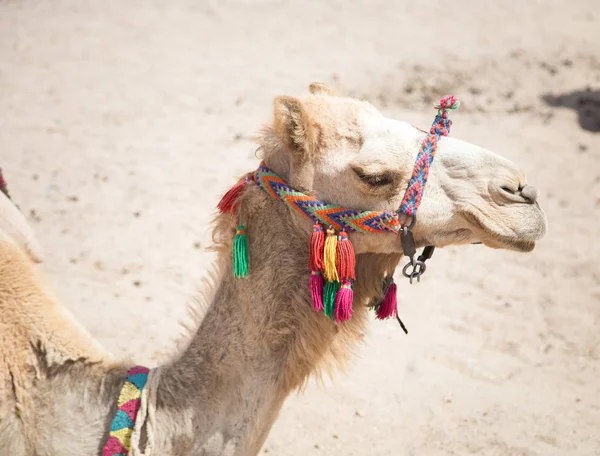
[[410, 249], [418, 266], [408, 242]]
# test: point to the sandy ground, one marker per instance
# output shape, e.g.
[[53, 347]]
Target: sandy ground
[[122, 122]]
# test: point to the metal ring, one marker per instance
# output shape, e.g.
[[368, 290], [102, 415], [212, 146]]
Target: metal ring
[[405, 268], [419, 268], [412, 221]]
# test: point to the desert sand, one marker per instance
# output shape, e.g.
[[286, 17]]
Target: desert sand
[[123, 122]]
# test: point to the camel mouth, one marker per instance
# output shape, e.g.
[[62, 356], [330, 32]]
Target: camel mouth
[[520, 237]]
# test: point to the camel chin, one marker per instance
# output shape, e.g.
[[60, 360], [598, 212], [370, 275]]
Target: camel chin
[[514, 227]]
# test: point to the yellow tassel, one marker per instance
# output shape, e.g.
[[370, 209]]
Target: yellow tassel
[[331, 241]]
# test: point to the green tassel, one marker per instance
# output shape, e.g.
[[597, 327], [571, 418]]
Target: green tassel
[[240, 252], [329, 292]]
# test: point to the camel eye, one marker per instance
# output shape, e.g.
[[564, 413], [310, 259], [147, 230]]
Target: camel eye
[[379, 179]]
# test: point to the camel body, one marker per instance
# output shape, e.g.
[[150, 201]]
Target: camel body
[[259, 338]]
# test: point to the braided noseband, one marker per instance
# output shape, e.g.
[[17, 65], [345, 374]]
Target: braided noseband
[[416, 186]]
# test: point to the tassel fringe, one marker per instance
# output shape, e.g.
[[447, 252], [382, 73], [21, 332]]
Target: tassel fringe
[[329, 292], [316, 252], [240, 252], [316, 290], [331, 273], [343, 302], [231, 199], [346, 260], [388, 308]]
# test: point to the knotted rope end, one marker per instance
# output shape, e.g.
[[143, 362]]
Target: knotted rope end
[[448, 103]]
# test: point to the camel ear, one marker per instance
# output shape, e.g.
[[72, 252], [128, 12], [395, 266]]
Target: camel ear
[[321, 88], [293, 124]]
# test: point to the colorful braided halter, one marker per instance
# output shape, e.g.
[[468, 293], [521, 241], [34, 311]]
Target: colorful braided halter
[[326, 214], [128, 405], [331, 254]]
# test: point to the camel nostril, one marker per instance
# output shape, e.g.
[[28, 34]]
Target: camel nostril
[[510, 189], [514, 192]]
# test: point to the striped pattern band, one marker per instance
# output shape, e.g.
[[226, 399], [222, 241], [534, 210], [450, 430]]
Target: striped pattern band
[[121, 428], [339, 218]]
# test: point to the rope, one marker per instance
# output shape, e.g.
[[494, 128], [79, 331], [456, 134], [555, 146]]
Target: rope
[[449, 103]]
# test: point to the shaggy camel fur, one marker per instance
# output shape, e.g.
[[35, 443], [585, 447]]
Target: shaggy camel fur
[[260, 338]]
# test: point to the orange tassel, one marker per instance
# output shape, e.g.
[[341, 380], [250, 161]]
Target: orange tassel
[[346, 259], [317, 244]]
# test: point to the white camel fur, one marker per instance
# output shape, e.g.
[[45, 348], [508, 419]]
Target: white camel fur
[[260, 338]]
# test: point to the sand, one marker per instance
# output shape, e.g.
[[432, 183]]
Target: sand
[[123, 121]]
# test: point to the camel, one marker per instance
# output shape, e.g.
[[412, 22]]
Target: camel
[[260, 338]]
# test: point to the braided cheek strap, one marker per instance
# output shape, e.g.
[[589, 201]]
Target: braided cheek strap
[[416, 187]]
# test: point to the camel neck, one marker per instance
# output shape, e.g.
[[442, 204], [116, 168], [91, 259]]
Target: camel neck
[[259, 339]]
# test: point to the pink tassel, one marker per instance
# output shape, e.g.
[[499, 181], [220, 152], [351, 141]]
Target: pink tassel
[[316, 251], [343, 302], [389, 306], [316, 290], [231, 199], [346, 260]]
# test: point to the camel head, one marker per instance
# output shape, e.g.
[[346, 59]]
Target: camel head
[[344, 151]]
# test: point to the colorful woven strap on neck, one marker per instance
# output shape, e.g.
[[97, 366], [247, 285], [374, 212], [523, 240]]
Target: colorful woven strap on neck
[[416, 186], [121, 428], [339, 218]]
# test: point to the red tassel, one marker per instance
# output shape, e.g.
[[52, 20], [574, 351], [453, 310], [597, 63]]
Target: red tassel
[[316, 290], [343, 302], [230, 200], [389, 306], [346, 260], [317, 245]]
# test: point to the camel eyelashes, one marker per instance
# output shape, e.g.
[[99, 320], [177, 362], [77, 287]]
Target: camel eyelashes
[[377, 179]]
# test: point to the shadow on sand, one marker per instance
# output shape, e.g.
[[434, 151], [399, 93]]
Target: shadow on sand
[[585, 102]]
